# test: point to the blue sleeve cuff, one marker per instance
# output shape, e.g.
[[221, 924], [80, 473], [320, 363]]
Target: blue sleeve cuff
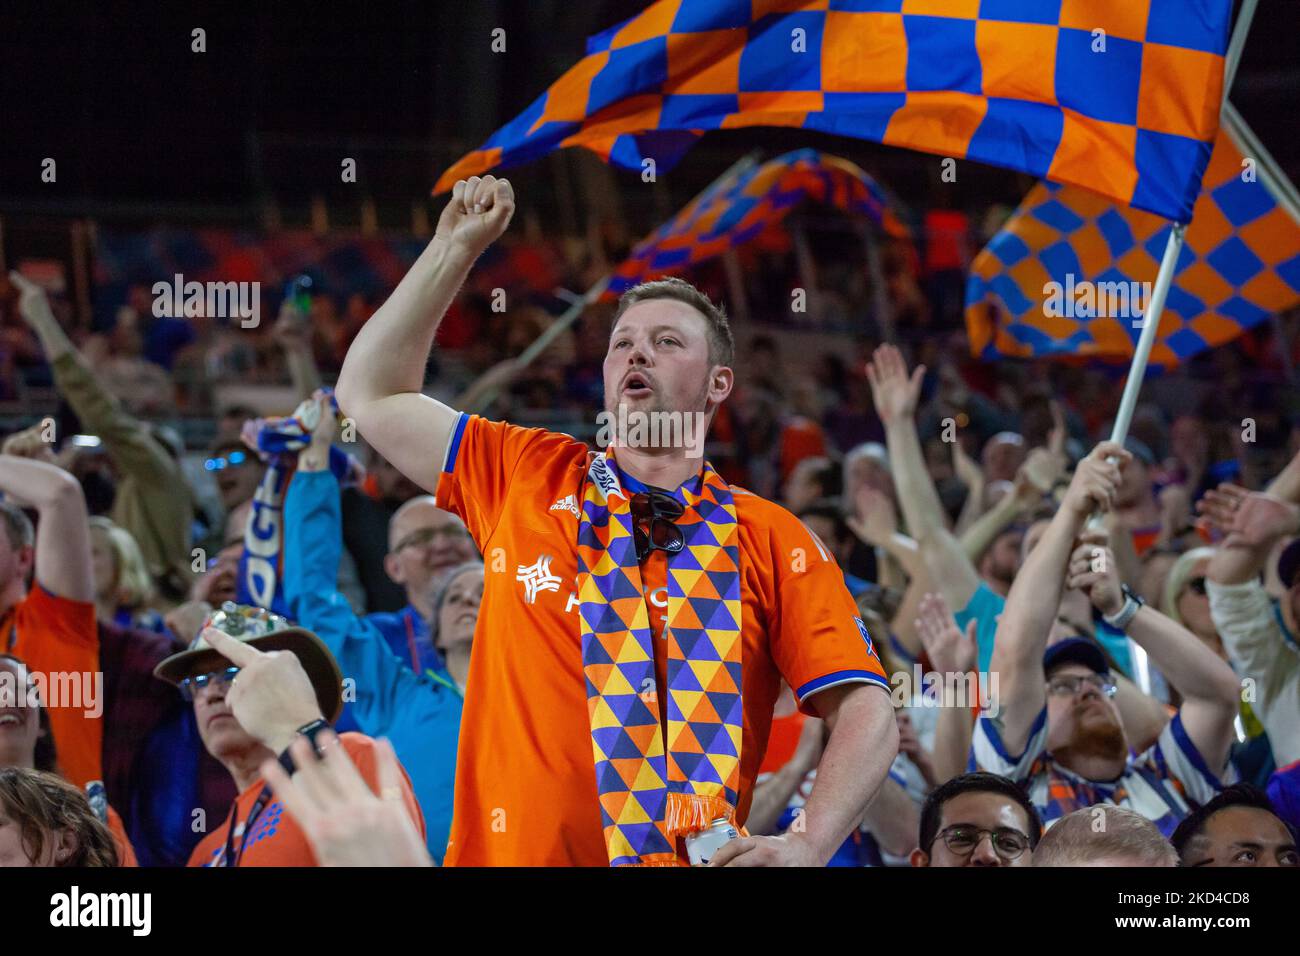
[[836, 678], [453, 447], [990, 729]]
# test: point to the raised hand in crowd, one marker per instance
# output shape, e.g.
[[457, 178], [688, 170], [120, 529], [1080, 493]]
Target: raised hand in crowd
[[380, 385], [346, 823], [31, 443], [293, 333], [896, 394], [951, 651], [1036, 594], [893, 391]]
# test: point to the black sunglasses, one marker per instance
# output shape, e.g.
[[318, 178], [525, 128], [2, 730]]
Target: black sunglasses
[[654, 513]]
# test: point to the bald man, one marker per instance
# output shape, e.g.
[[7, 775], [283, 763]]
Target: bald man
[[423, 542]]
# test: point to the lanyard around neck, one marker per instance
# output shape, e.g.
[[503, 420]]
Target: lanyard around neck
[[254, 812]]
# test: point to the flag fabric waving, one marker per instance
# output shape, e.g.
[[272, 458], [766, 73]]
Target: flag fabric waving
[[745, 201], [1120, 96], [1063, 275]]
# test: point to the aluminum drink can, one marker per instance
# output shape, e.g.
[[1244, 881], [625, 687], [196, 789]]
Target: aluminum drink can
[[702, 844]]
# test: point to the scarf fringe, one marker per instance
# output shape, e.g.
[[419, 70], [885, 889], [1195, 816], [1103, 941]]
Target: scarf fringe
[[687, 812], [673, 862]]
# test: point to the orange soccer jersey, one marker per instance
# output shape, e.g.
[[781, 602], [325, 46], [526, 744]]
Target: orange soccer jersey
[[56, 638], [525, 773]]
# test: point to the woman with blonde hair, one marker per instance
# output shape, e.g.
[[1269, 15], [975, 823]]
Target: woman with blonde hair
[[1185, 601], [124, 590]]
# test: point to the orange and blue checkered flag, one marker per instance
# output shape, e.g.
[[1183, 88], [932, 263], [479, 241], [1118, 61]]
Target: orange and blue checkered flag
[[1119, 96], [1068, 273], [744, 202]]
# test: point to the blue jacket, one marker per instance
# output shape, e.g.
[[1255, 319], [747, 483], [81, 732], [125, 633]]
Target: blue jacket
[[418, 713], [405, 631]]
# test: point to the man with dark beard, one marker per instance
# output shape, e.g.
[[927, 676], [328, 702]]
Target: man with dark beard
[[1057, 730]]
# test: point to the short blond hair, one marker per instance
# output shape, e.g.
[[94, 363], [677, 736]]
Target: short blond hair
[[1100, 832], [1180, 572], [132, 584]]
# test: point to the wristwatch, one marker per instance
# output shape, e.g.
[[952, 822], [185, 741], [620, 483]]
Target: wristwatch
[[311, 731], [1132, 604]]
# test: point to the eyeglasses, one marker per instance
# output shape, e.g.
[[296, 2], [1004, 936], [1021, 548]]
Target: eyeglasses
[[232, 460], [1197, 584], [427, 536], [191, 686], [1069, 686], [962, 840], [654, 513]]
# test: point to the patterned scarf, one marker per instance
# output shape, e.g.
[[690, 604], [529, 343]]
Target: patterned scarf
[[278, 440], [649, 794]]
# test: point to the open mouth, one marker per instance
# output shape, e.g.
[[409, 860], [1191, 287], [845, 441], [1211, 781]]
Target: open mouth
[[637, 384], [9, 718]]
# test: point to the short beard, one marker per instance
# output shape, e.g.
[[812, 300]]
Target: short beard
[[700, 404], [1093, 741]]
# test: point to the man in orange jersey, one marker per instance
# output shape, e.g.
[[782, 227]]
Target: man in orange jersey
[[639, 613]]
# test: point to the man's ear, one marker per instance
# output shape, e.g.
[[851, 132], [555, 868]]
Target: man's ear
[[393, 568], [26, 560], [721, 382], [65, 846], [919, 857]]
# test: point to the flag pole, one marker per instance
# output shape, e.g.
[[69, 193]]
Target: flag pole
[[1238, 43], [1150, 325], [1165, 277]]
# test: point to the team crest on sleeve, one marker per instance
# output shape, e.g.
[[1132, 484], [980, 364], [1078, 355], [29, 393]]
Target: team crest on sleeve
[[862, 629]]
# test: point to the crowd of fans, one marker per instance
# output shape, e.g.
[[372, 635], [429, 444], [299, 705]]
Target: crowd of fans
[[1131, 685]]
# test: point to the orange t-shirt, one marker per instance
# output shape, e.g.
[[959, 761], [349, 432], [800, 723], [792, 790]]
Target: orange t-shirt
[[525, 774], [56, 638], [275, 838]]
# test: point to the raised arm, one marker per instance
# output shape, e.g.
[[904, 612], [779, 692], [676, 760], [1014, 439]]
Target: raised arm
[[895, 395], [1036, 594], [125, 436], [385, 687], [162, 531], [62, 533], [1254, 522], [383, 374], [292, 332], [1035, 478], [1207, 684]]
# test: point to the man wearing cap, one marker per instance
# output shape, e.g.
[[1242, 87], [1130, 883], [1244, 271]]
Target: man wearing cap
[[1057, 730], [1259, 631], [251, 700]]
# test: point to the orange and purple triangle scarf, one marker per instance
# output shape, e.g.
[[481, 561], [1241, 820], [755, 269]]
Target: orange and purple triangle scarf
[[651, 794]]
